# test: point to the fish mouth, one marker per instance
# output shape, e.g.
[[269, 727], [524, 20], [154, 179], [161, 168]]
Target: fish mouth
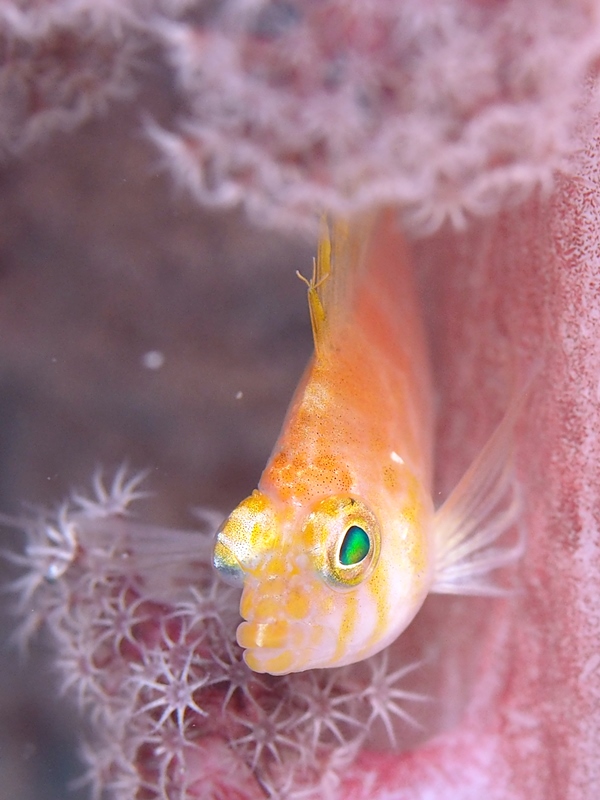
[[283, 629], [281, 646], [272, 635]]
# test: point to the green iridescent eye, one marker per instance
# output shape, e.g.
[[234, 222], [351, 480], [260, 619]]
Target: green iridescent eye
[[355, 546]]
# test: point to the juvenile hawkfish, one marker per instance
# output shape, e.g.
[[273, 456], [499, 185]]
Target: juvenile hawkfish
[[340, 544]]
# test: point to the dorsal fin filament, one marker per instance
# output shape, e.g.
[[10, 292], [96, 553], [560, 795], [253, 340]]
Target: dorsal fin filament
[[331, 289], [321, 272]]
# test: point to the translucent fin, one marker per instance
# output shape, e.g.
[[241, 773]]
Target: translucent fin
[[336, 268], [485, 504], [166, 562]]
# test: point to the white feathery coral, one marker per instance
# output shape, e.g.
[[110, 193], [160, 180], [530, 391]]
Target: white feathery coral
[[148, 653], [449, 110]]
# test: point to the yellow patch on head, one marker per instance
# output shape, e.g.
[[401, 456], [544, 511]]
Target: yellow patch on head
[[275, 666], [251, 530], [275, 565], [247, 603], [379, 592], [264, 598], [266, 607], [297, 604], [347, 626], [268, 634], [412, 513], [252, 523]]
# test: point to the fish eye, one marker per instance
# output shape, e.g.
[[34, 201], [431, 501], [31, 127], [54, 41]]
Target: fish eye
[[343, 538], [355, 546]]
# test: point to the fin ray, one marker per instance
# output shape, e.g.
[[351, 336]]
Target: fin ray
[[331, 289], [485, 505]]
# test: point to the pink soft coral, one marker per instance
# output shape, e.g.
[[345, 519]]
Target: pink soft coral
[[524, 283]]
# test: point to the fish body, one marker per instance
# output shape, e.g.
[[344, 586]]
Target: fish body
[[340, 544]]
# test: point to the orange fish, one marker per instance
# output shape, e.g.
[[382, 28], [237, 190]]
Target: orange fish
[[339, 546]]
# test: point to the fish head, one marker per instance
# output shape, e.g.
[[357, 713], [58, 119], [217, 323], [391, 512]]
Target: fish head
[[319, 587]]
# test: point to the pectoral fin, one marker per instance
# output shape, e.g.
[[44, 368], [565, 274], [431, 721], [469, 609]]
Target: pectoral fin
[[485, 505]]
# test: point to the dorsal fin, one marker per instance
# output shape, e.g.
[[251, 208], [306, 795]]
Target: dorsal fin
[[331, 289]]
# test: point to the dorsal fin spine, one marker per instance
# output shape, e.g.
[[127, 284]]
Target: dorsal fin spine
[[332, 287]]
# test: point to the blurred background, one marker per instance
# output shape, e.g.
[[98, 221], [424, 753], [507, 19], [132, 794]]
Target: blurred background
[[136, 327], [133, 327]]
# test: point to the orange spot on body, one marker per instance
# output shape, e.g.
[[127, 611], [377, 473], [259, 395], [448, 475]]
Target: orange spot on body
[[391, 478]]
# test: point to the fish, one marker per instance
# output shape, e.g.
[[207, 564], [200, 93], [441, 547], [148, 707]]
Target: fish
[[340, 544]]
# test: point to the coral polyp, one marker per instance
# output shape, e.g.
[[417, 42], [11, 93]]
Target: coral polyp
[[447, 109], [143, 639]]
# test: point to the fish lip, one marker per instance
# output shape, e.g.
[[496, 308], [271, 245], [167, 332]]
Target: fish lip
[[250, 634], [263, 659], [305, 643]]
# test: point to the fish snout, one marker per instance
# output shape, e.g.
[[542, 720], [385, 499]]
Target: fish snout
[[248, 533], [227, 565]]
